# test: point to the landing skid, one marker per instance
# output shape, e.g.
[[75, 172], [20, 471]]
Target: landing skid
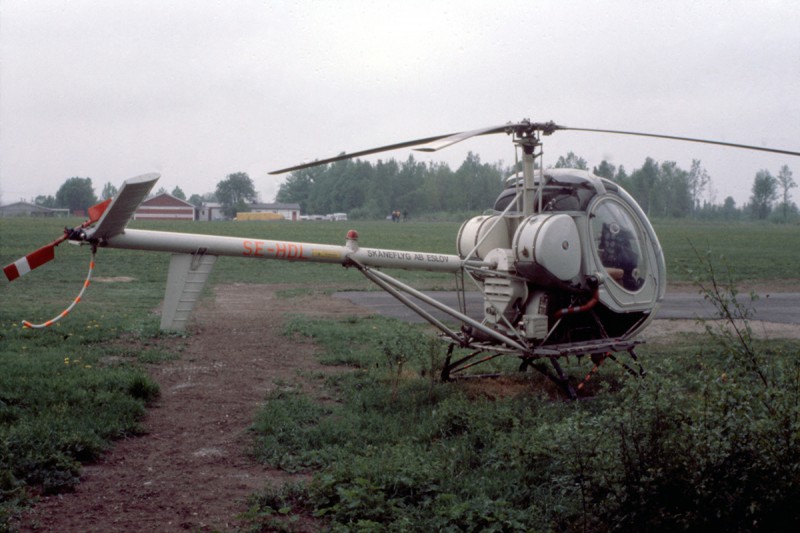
[[498, 343], [537, 358]]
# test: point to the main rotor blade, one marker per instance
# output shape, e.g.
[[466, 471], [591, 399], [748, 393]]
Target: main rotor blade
[[371, 151], [686, 139], [438, 142], [523, 128], [449, 140]]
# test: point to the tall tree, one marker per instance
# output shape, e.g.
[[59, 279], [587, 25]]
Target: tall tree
[[407, 190], [605, 170], [765, 192], [476, 184], [177, 192], [234, 192], [45, 201], [698, 180], [109, 191], [673, 198], [572, 161], [381, 191], [436, 190], [729, 210], [786, 182], [644, 184], [297, 187], [622, 178], [196, 200], [76, 194]]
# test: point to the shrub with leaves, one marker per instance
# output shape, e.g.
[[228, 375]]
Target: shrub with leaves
[[709, 440]]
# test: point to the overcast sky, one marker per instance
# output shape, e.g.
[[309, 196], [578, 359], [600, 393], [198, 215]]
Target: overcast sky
[[199, 89]]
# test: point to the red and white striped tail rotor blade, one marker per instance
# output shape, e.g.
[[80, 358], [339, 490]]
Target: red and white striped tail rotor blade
[[23, 265]]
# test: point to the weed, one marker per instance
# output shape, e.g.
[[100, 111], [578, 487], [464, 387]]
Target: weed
[[709, 440], [701, 443]]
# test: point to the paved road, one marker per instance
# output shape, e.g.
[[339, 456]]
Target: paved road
[[776, 307]]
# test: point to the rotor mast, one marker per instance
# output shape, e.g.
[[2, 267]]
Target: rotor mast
[[528, 145], [527, 137]]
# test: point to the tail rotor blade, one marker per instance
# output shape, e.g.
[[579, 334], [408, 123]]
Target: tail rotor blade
[[25, 264], [96, 211]]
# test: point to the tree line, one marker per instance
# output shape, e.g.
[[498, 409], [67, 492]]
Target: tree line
[[235, 193], [366, 190], [373, 190]]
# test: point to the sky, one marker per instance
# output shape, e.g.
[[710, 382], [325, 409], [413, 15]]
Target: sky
[[199, 89]]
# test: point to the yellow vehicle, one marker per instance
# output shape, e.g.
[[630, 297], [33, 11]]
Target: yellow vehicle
[[259, 216]]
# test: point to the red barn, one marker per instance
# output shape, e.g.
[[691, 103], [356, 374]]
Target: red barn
[[164, 207]]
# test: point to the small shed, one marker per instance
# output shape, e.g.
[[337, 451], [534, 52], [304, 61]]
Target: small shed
[[165, 207], [210, 211], [27, 209]]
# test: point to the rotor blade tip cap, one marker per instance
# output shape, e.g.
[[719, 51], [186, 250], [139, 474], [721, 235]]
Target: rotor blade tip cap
[[152, 176]]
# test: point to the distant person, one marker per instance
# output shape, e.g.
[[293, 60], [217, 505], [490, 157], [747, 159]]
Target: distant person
[[405, 215]]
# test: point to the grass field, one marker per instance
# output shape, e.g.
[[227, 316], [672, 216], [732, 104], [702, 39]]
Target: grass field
[[504, 464]]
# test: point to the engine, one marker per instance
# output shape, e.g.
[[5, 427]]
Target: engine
[[586, 264]]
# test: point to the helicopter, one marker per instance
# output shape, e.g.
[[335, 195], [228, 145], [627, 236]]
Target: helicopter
[[567, 263]]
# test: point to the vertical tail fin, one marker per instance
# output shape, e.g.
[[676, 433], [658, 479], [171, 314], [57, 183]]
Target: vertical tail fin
[[118, 213]]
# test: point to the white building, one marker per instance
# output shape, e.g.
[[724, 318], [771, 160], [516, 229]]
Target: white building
[[210, 211]]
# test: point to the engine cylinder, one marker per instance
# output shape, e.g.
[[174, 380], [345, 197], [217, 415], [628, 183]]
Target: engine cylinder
[[550, 242], [487, 232]]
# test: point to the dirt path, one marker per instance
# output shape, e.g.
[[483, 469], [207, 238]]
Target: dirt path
[[191, 471]]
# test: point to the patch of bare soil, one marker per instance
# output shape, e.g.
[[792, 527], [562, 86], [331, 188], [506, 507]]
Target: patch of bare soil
[[191, 470]]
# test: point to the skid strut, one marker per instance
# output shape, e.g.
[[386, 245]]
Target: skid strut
[[599, 351]]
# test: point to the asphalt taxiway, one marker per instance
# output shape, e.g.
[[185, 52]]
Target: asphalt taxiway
[[781, 307]]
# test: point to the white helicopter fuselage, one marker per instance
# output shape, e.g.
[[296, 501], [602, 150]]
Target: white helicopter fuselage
[[583, 230]]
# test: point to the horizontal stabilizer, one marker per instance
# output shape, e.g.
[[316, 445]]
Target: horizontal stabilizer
[[117, 215]]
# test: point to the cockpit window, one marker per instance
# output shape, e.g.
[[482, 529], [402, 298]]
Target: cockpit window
[[618, 243], [505, 198], [556, 197]]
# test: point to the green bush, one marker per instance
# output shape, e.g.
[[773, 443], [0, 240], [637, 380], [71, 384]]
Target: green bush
[[702, 443]]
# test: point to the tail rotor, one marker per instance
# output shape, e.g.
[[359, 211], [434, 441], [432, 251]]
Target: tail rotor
[[33, 260], [47, 253]]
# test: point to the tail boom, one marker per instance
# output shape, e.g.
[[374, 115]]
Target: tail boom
[[189, 243]]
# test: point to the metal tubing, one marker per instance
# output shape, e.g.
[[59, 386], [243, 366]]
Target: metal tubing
[[452, 312], [410, 304]]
